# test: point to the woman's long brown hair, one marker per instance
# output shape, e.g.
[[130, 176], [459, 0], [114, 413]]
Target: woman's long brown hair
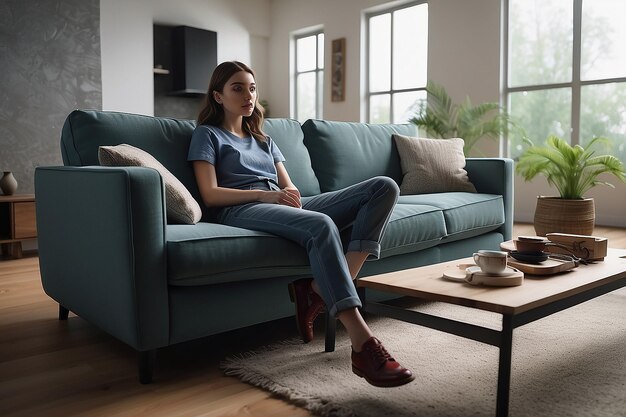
[[212, 112]]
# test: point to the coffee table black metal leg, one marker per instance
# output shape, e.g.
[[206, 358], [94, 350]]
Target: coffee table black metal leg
[[331, 329], [504, 367]]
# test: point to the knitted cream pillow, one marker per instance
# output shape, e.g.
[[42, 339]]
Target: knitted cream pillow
[[432, 165], [181, 206]]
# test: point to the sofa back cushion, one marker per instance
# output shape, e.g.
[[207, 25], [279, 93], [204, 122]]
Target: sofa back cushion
[[344, 153], [167, 140], [287, 134]]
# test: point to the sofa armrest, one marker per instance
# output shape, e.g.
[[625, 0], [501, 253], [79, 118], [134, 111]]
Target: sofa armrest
[[494, 176], [102, 248]]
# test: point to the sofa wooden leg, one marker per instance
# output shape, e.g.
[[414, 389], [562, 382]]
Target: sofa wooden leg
[[146, 362], [63, 312]]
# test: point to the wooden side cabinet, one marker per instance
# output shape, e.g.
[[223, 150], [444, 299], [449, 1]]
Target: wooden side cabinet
[[17, 223]]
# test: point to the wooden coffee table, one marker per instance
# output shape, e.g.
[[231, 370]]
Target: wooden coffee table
[[538, 297]]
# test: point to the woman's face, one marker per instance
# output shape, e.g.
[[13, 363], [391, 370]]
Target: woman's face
[[239, 95]]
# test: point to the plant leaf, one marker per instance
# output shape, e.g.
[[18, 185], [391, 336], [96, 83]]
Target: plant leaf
[[441, 118], [573, 170]]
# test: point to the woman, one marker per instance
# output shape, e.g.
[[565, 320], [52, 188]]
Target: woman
[[242, 180]]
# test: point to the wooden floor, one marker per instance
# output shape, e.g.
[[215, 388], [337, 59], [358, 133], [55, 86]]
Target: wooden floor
[[69, 368]]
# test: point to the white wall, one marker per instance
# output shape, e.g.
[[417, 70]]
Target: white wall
[[126, 54], [126, 39], [464, 53]]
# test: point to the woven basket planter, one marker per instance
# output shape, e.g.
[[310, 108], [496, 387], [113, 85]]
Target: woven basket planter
[[558, 215]]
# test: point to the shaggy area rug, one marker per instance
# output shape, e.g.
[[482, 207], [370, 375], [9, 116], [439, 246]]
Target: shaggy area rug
[[572, 363]]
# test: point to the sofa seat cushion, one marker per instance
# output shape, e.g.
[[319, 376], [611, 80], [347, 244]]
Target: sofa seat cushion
[[412, 227], [209, 253], [465, 214]]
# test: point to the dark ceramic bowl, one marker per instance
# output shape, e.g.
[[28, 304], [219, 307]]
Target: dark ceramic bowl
[[529, 257]]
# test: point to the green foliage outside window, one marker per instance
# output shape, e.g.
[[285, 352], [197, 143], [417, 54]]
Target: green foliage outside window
[[540, 53]]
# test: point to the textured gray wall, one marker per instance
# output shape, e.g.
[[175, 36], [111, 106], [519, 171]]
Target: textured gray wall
[[50, 65], [177, 107]]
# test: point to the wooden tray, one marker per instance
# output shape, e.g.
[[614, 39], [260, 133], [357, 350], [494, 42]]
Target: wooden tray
[[590, 248], [547, 267]]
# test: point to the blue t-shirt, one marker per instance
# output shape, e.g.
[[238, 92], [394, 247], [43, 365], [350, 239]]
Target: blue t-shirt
[[238, 162]]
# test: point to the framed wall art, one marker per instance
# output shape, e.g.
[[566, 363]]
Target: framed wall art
[[338, 70]]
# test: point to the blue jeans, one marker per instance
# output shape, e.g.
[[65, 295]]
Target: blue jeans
[[361, 211]]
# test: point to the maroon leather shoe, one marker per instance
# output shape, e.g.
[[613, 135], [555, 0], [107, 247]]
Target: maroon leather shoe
[[309, 305], [377, 366]]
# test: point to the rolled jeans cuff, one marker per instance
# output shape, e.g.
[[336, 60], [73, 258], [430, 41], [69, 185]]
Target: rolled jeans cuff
[[370, 246], [344, 304]]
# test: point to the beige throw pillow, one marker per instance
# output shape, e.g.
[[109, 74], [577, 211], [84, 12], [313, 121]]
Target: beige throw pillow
[[432, 165], [181, 206]]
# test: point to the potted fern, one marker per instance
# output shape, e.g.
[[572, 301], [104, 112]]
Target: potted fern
[[573, 170], [440, 118]]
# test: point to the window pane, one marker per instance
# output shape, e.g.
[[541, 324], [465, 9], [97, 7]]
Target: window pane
[[541, 113], [410, 47], [379, 108], [305, 90], [603, 51], [405, 105], [540, 42], [380, 53], [603, 113], [306, 53], [320, 50]]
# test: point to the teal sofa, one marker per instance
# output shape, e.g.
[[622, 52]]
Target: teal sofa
[[108, 255]]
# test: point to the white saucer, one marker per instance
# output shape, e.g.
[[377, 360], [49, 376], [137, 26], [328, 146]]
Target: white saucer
[[476, 270], [455, 274], [475, 276]]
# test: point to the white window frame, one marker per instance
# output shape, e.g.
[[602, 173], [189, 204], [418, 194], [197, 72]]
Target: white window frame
[[319, 73], [391, 91], [575, 85]]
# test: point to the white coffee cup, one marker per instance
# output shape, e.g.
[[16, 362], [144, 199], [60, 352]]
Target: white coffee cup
[[491, 261]]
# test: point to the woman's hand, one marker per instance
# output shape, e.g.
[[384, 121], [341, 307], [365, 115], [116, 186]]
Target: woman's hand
[[295, 193], [287, 197]]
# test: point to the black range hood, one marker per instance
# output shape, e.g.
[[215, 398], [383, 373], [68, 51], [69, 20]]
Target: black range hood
[[190, 55]]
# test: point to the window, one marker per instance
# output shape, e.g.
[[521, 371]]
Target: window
[[309, 76], [566, 71], [397, 52]]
